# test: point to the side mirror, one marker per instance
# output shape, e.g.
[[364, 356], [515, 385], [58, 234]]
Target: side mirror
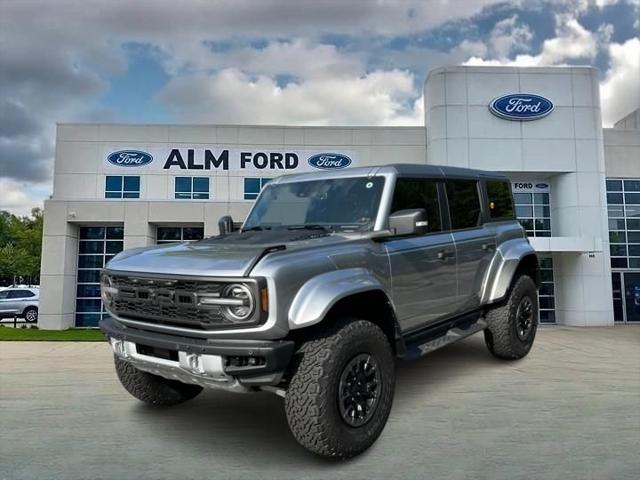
[[225, 225], [408, 222]]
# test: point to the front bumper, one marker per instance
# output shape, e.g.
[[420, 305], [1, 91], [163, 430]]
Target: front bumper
[[205, 362]]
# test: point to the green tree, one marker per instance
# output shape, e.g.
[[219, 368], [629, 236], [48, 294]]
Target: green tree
[[20, 245]]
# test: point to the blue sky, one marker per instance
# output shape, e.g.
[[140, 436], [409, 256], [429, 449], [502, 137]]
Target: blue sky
[[330, 62]]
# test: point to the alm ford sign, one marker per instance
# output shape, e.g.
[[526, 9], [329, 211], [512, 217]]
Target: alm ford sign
[[329, 161], [521, 106], [130, 158]]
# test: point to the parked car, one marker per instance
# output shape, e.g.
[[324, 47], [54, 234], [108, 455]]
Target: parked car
[[332, 275], [21, 302]]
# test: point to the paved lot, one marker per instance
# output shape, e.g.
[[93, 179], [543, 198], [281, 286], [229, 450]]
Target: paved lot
[[571, 410]]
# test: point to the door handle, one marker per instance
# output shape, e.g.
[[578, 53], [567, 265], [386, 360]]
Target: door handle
[[443, 254], [488, 246]]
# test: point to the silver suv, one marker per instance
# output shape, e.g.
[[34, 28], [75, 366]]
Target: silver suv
[[20, 302], [331, 276]]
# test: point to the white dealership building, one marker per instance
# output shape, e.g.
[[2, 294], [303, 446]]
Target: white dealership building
[[576, 185]]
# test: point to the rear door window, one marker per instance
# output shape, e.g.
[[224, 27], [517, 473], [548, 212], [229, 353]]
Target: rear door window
[[500, 203], [413, 193], [21, 294], [464, 203]]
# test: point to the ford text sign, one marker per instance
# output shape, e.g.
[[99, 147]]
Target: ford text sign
[[521, 106], [329, 161], [130, 158]]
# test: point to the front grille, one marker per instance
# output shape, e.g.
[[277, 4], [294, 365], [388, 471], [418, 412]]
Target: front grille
[[167, 302]]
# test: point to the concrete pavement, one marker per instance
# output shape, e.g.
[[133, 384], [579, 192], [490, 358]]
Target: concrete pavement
[[571, 410]]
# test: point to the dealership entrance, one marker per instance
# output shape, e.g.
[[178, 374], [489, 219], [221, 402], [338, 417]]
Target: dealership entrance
[[626, 296]]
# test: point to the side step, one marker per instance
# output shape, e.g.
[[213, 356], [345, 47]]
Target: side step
[[439, 335]]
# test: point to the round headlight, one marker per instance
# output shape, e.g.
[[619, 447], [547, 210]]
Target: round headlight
[[246, 302]]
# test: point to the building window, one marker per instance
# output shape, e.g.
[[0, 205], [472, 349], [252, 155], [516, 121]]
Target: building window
[[178, 234], [546, 294], [96, 246], [192, 188], [253, 186], [534, 213], [122, 186]]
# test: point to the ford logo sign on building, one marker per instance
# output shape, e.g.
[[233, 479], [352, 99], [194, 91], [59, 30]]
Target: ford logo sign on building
[[130, 158], [329, 161], [521, 106]]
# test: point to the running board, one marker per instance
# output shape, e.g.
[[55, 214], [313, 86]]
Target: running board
[[437, 337]]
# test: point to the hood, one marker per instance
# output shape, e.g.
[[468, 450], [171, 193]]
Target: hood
[[232, 255]]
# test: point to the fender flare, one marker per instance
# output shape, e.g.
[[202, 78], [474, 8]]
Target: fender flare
[[319, 294], [503, 267]]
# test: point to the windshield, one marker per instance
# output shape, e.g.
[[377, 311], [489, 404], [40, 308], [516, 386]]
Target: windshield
[[345, 204]]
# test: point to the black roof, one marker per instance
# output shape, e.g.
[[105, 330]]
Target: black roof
[[415, 169]]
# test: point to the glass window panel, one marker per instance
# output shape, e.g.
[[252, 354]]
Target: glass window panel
[[108, 258], [169, 233], [617, 237], [547, 302], [634, 250], [632, 198], [193, 233], [264, 181], [541, 211], [542, 233], [618, 263], [183, 196], [547, 316], [634, 263], [615, 211], [546, 262], [131, 184], [542, 224], [88, 290], [200, 196], [131, 195], [251, 185], [618, 250], [183, 184], [91, 233], [526, 223], [632, 211], [616, 224], [201, 184], [618, 313], [614, 185], [250, 196], [88, 305], [88, 276], [113, 195], [520, 198], [413, 193], [524, 211], [546, 275], [92, 246], [547, 289], [114, 246], [500, 202], [464, 203], [87, 319], [633, 237], [615, 198], [115, 233], [633, 224], [632, 185], [113, 183], [90, 261], [541, 198]]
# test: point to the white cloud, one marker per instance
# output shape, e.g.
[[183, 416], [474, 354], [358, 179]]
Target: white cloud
[[508, 36], [620, 90], [20, 197]]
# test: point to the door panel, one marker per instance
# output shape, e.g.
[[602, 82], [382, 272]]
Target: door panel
[[474, 251], [423, 271], [632, 296], [7, 305]]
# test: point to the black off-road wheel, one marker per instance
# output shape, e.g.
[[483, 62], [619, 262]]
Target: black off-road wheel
[[153, 389], [341, 389], [512, 326]]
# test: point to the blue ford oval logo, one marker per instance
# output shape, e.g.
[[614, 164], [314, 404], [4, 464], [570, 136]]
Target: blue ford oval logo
[[521, 106], [328, 161], [130, 158], [542, 185]]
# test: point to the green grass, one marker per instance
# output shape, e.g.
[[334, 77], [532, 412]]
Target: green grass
[[8, 334]]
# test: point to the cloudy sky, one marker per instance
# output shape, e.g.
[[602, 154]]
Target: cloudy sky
[[315, 62]]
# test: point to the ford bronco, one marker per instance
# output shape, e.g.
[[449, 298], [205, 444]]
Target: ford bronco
[[330, 277]]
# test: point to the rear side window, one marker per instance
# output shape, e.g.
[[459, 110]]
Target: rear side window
[[464, 203], [21, 294], [500, 204], [418, 193]]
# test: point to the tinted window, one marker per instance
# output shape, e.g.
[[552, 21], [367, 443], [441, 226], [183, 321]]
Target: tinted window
[[418, 193], [3, 294], [20, 294], [500, 205], [464, 203]]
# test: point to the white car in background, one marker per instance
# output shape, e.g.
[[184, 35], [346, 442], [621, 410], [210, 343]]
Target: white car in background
[[20, 302]]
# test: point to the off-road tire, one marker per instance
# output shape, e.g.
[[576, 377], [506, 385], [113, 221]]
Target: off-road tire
[[501, 335], [28, 314], [311, 401], [153, 389]]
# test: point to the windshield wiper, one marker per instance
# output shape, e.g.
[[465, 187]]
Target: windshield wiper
[[257, 228], [310, 226]]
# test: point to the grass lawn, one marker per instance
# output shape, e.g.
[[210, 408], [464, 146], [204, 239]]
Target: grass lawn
[[32, 335]]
